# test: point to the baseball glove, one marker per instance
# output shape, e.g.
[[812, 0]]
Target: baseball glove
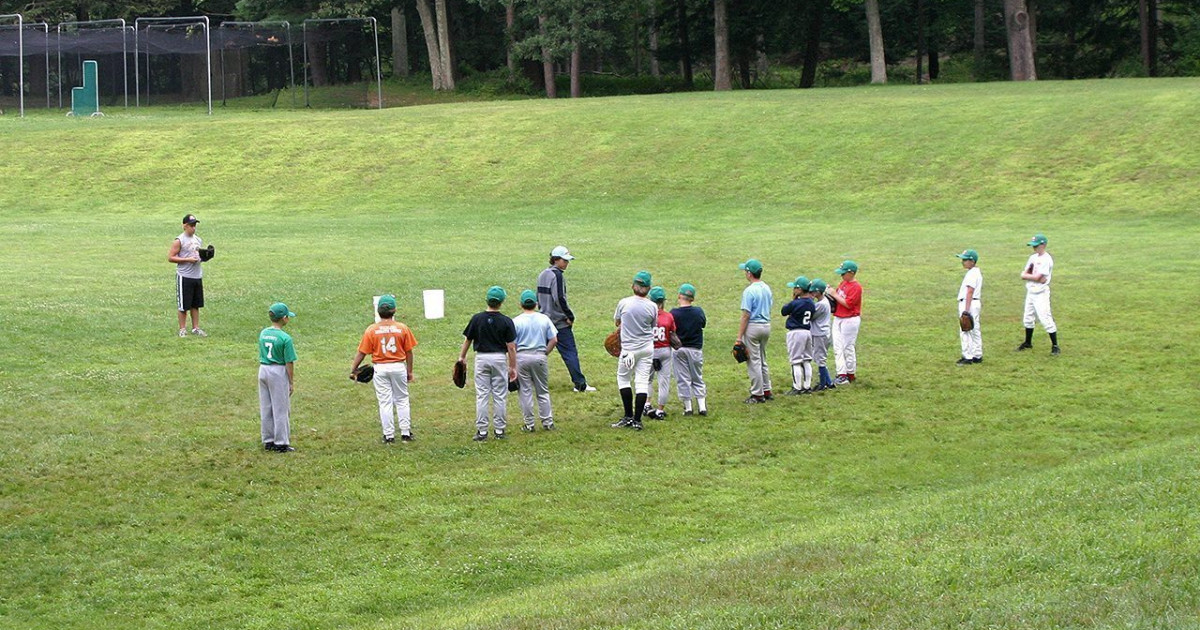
[[612, 343], [966, 322], [739, 353], [207, 253], [832, 302], [1029, 269], [656, 365], [364, 374], [514, 385], [459, 375]]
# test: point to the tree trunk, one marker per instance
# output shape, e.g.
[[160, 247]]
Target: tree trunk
[[547, 63], [428, 26], [875, 32], [449, 74], [685, 59], [935, 64], [1031, 9], [316, 64], [576, 61], [655, 70], [761, 64], [1020, 47], [812, 43], [722, 72], [1148, 20], [399, 43], [920, 42], [979, 39], [510, 18], [637, 40]]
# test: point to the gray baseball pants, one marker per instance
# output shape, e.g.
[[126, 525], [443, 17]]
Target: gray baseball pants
[[533, 372], [491, 384], [274, 404], [689, 373], [666, 362], [820, 349], [756, 339]]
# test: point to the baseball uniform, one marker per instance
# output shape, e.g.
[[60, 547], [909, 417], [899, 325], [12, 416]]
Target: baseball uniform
[[757, 301], [689, 358], [638, 317], [490, 333], [846, 325], [388, 342], [1037, 294], [275, 352], [533, 332], [820, 329], [799, 313], [971, 340], [664, 356]]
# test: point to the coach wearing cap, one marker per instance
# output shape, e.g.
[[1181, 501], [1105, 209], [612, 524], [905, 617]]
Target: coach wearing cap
[[552, 300], [189, 283]]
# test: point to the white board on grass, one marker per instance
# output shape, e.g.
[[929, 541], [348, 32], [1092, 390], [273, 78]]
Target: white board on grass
[[435, 303]]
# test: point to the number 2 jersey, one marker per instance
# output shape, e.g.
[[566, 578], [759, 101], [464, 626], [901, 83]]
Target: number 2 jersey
[[663, 330], [799, 313], [387, 342]]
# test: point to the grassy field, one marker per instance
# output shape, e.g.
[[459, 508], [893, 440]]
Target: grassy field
[[1028, 492]]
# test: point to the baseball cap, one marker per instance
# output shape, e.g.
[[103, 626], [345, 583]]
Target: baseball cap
[[847, 266], [753, 266], [818, 285], [1038, 239], [968, 254], [528, 297], [279, 310], [561, 252], [799, 283], [387, 300], [687, 290], [496, 293], [190, 219], [658, 294], [642, 278]]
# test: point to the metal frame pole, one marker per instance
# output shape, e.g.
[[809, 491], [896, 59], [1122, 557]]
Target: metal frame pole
[[304, 62], [20, 59], [119, 23], [185, 20], [378, 72]]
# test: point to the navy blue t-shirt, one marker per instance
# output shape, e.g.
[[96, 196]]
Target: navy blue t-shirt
[[799, 313], [490, 331], [689, 325]]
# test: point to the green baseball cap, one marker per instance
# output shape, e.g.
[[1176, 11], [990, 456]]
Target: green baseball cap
[[817, 285], [658, 294], [1038, 239], [387, 300], [753, 266], [496, 293], [847, 267], [528, 297], [279, 310], [968, 254], [688, 291], [642, 278], [799, 283]]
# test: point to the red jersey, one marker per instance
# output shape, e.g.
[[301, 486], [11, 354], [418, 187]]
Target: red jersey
[[851, 291], [662, 332], [387, 342]]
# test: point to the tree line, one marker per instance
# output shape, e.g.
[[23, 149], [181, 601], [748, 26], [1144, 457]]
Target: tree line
[[723, 44]]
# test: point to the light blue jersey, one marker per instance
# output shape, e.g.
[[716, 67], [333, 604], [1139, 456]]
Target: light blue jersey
[[534, 331], [757, 300]]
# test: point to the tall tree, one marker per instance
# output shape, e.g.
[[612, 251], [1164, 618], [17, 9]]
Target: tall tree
[[685, 46], [1020, 45], [399, 43], [980, 43], [446, 46], [722, 72], [654, 20], [1148, 21], [875, 34], [812, 42], [432, 45]]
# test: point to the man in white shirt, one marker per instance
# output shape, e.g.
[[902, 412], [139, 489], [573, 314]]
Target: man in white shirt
[[1037, 294], [969, 294]]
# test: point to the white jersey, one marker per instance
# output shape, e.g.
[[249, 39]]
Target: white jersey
[[1042, 265], [973, 279], [189, 247], [638, 317]]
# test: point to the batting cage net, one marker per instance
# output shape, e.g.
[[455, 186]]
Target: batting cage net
[[174, 61], [107, 42], [341, 63], [256, 64], [24, 64]]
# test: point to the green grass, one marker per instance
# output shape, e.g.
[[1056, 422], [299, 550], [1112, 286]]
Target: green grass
[[1028, 492]]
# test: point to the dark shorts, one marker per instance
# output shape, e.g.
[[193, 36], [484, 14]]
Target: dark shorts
[[189, 293]]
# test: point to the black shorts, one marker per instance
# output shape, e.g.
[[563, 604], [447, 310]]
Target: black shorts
[[189, 293]]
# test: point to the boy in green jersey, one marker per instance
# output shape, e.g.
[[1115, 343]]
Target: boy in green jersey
[[276, 378]]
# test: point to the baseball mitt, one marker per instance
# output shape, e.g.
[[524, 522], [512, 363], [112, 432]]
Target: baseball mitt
[[966, 322], [514, 385], [1029, 269], [364, 374], [459, 375], [612, 343], [207, 253], [739, 353]]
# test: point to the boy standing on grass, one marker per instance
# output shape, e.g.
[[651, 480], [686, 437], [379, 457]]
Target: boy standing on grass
[[536, 338], [970, 294], [799, 313], [849, 318], [390, 345], [689, 358], [494, 337], [1038, 270], [820, 333], [189, 277], [755, 330], [635, 318], [276, 380], [663, 358]]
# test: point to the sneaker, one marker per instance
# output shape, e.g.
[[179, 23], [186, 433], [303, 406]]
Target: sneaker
[[268, 446], [389, 440], [841, 380], [648, 410], [768, 396], [480, 437], [622, 423], [182, 332], [548, 426], [805, 392], [528, 428], [636, 425], [963, 361], [1024, 346], [199, 333], [500, 435], [792, 392], [407, 437], [704, 412], [284, 448], [755, 400], [1054, 351], [687, 412], [585, 388], [977, 360]]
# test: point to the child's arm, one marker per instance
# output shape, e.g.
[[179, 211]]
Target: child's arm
[[462, 355], [291, 372]]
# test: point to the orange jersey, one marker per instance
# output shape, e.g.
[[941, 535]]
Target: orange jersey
[[387, 342]]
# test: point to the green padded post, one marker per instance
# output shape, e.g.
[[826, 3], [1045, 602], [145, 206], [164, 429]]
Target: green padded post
[[85, 101]]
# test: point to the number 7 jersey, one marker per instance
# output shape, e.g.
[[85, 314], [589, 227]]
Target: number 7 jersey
[[387, 342]]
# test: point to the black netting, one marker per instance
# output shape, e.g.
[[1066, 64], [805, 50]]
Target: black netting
[[110, 45], [341, 63], [254, 59], [173, 63], [25, 61]]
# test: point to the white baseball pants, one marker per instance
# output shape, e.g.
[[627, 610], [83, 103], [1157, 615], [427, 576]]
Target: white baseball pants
[[845, 336], [633, 369], [972, 340], [274, 404], [663, 374], [391, 390], [1037, 306]]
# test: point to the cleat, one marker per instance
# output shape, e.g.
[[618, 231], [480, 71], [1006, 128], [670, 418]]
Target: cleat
[[268, 446], [389, 440], [841, 380], [768, 396], [755, 400], [528, 428], [793, 392], [648, 410], [480, 437], [199, 332], [704, 412], [407, 437], [636, 425], [687, 412], [977, 360], [963, 361], [182, 332], [548, 426], [1024, 346], [500, 435], [1054, 351], [585, 388], [284, 448], [805, 392], [622, 423]]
